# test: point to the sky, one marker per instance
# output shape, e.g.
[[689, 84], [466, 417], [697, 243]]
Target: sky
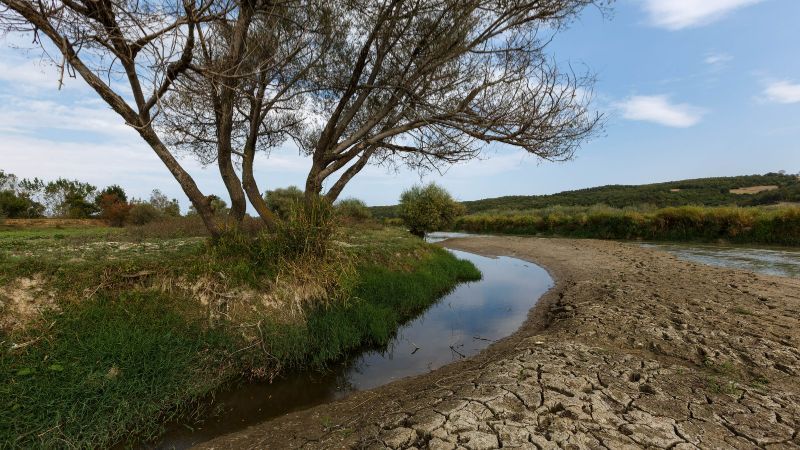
[[688, 88]]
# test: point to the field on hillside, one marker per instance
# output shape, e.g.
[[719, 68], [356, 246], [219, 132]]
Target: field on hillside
[[107, 333]]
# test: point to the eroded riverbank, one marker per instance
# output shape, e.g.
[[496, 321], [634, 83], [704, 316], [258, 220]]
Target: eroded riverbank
[[632, 347], [457, 326]]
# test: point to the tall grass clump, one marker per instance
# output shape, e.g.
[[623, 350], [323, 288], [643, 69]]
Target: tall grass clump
[[780, 226]]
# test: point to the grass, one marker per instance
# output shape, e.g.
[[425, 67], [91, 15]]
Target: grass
[[108, 369], [776, 226], [118, 357]]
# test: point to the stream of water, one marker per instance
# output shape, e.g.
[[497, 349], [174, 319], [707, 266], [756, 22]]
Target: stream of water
[[784, 262], [459, 325]]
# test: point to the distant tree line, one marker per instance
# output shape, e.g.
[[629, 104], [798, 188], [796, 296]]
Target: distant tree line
[[73, 199]]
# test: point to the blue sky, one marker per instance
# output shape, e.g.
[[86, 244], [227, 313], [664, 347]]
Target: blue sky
[[690, 88]]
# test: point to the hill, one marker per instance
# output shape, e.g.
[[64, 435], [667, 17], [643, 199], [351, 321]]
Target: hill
[[747, 190]]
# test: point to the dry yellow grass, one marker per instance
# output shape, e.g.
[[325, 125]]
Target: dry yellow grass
[[753, 190]]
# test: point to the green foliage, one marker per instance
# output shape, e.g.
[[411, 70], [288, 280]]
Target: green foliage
[[143, 213], [779, 226], [428, 208], [353, 208], [70, 199], [15, 206], [114, 191], [284, 201]]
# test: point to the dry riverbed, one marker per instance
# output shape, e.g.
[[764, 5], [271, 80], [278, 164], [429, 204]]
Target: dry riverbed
[[632, 348]]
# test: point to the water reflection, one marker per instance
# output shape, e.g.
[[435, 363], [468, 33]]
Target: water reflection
[[461, 324], [771, 261]]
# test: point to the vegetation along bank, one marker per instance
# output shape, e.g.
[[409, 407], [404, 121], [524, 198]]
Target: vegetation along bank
[[107, 333], [774, 226]]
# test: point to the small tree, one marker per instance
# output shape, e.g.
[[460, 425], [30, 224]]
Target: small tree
[[113, 205], [428, 208], [283, 201], [70, 198], [167, 207], [353, 208]]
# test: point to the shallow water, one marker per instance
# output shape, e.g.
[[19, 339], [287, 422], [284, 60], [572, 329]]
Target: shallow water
[[771, 261], [459, 325]]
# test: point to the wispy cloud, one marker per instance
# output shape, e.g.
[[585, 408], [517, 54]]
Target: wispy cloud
[[717, 59], [679, 14], [659, 109], [782, 92]]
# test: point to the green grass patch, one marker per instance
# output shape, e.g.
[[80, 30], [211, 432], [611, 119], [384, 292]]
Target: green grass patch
[[108, 370], [382, 299]]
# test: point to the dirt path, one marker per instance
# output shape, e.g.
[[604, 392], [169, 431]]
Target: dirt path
[[631, 348]]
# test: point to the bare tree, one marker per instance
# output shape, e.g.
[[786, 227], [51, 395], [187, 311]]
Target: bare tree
[[210, 75], [143, 46], [428, 83], [244, 91], [416, 82]]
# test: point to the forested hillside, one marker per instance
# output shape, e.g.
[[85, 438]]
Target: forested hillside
[[701, 191]]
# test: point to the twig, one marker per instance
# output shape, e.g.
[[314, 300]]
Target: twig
[[457, 352]]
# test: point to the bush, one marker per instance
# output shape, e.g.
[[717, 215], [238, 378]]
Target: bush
[[428, 208], [284, 201], [353, 208], [142, 214], [113, 209], [14, 206]]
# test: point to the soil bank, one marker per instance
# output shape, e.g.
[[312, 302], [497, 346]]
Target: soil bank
[[632, 348]]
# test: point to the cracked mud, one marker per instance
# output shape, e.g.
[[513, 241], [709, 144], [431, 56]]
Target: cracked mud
[[632, 348]]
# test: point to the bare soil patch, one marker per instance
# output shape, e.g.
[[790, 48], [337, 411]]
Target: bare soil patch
[[52, 223], [753, 190], [632, 348], [22, 301]]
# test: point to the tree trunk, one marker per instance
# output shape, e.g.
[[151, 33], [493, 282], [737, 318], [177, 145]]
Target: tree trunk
[[199, 201], [253, 194], [234, 187]]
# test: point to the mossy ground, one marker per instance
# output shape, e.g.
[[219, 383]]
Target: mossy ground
[[122, 348]]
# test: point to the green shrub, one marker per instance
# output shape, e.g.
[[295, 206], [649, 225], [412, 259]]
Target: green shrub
[[353, 208], [142, 214], [428, 208], [284, 201]]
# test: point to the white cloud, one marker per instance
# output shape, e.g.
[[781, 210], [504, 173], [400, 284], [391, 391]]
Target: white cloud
[[32, 116], [783, 92], [679, 14], [717, 59], [658, 109]]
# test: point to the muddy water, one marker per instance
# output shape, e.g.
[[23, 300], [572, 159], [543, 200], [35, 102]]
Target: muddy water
[[771, 261], [461, 324]]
